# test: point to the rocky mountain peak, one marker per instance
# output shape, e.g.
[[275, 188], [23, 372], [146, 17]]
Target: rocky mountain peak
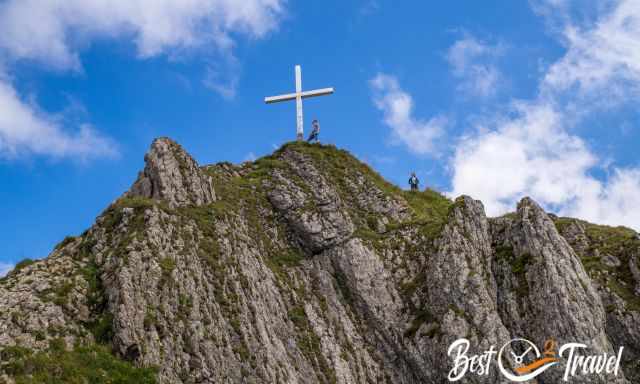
[[172, 175], [306, 266]]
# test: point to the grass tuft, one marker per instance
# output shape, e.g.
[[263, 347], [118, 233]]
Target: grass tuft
[[83, 364]]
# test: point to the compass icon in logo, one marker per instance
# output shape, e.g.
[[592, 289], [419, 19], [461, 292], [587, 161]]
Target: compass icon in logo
[[520, 359], [529, 363]]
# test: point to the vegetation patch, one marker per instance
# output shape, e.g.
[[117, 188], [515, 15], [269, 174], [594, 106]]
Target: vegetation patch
[[102, 328], [458, 311], [20, 266], [408, 289], [432, 331], [339, 165], [298, 316], [113, 215], [167, 264], [62, 293], [343, 287], [367, 234], [309, 344], [245, 197], [430, 209], [185, 304], [504, 252], [278, 262], [150, 318], [519, 268], [519, 264], [423, 316], [562, 223], [631, 301], [83, 364], [101, 324], [66, 241], [620, 242]]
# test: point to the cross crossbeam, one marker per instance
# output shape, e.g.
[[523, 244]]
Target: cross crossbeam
[[292, 96], [298, 96]]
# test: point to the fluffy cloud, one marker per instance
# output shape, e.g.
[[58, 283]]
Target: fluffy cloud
[[530, 149], [473, 62], [52, 31], [615, 202], [533, 152], [530, 154], [602, 57], [223, 77], [397, 107], [25, 130]]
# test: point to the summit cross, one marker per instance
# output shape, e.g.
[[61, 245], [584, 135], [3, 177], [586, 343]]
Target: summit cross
[[298, 96]]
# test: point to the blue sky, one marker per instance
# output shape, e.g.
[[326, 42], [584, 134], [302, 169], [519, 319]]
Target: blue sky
[[498, 100]]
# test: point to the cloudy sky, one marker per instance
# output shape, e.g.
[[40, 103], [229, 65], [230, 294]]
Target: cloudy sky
[[497, 100]]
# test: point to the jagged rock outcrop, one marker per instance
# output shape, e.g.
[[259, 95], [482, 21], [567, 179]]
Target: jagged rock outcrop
[[307, 267], [616, 284], [43, 298], [545, 291], [171, 175]]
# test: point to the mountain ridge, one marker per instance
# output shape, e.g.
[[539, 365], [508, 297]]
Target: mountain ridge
[[307, 266]]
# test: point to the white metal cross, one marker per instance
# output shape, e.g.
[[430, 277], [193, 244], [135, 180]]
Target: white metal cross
[[298, 96]]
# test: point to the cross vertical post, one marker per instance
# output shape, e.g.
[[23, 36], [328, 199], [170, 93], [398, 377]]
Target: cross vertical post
[[298, 96], [299, 118]]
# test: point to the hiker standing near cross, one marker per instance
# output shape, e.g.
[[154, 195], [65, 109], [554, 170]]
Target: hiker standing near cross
[[298, 96]]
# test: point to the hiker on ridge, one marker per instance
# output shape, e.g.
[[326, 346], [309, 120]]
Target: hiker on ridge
[[414, 182], [315, 133]]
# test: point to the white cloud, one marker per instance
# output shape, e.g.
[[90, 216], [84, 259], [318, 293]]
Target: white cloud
[[25, 130], [615, 202], [397, 107], [226, 88], [529, 154], [473, 63], [223, 78], [52, 31], [5, 268], [530, 150], [533, 152], [603, 58]]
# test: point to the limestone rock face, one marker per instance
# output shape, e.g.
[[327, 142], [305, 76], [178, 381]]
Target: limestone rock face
[[328, 223], [170, 174], [610, 257], [546, 291], [46, 297], [307, 267]]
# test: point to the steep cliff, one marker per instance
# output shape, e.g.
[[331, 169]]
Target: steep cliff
[[307, 267]]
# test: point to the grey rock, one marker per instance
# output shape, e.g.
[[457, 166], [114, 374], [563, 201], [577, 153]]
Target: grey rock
[[171, 174], [312, 207], [311, 272], [635, 270], [610, 261], [546, 291]]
